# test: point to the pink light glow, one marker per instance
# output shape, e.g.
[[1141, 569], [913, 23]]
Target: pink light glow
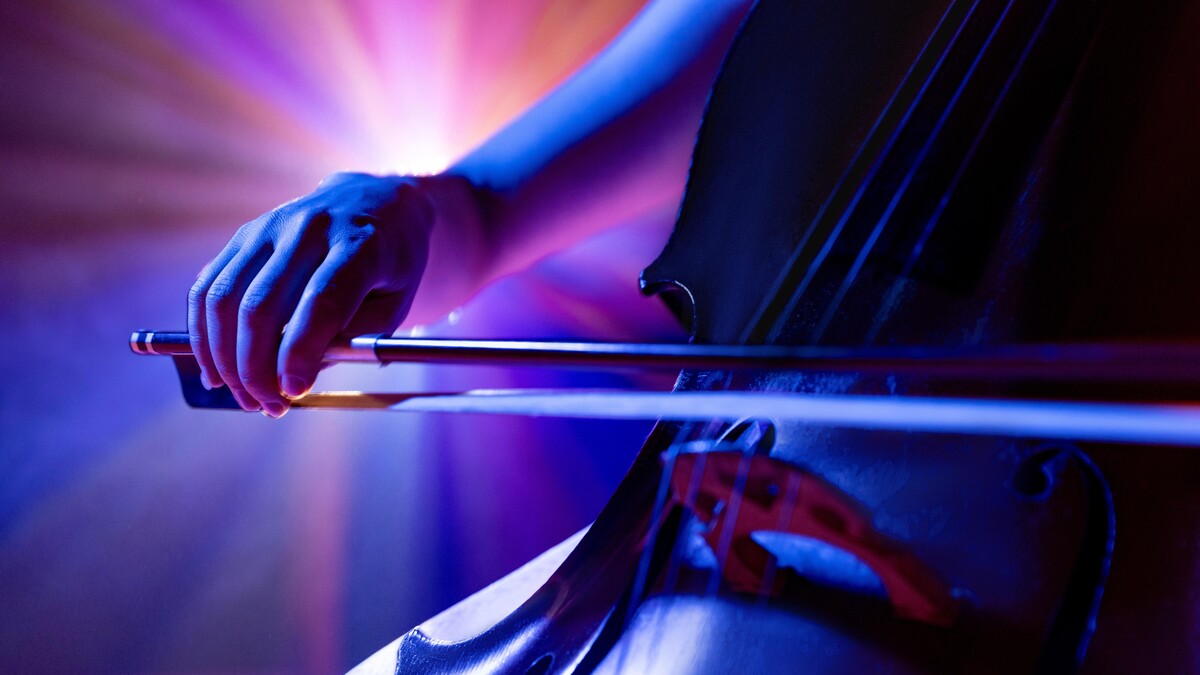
[[149, 100], [137, 535]]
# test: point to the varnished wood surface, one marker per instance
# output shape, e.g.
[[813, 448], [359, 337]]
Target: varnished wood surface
[[481, 610]]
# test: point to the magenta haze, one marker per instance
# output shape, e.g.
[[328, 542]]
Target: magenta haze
[[136, 534]]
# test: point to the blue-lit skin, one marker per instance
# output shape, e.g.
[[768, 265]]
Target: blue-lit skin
[[610, 143]]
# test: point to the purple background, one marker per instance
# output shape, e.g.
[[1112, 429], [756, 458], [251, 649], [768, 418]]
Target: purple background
[[139, 535]]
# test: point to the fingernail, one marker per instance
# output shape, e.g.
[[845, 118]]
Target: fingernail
[[294, 386], [274, 410], [204, 382]]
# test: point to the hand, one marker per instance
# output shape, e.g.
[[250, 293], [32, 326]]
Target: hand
[[346, 258]]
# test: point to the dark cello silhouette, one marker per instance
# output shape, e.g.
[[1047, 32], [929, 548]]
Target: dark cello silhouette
[[1015, 534]]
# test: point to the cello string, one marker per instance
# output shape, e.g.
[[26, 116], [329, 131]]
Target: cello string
[[932, 222], [671, 578], [713, 428], [641, 576], [886, 218], [865, 250], [729, 517], [860, 155], [935, 218], [729, 520], [638, 586], [791, 496]]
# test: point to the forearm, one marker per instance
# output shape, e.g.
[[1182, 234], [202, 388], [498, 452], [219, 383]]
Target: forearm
[[611, 143]]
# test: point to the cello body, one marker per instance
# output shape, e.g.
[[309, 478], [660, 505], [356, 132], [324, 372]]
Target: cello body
[[935, 172]]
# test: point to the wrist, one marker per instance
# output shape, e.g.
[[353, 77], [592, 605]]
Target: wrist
[[459, 260]]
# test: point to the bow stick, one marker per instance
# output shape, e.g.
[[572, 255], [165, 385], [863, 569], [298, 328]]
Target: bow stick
[[1124, 362], [1158, 423]]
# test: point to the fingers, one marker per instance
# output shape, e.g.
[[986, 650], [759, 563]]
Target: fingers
[[243, 299], [380, 313], [197, 311], [349, 254], [265, 308], [333, 295], [222, 309]]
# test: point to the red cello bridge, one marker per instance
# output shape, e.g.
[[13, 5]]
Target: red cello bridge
[[769, 499]]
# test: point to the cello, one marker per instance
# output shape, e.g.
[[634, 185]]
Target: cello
[[998, 236], [932, 197]]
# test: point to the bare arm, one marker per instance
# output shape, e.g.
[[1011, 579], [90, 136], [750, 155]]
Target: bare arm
[[611, 142]]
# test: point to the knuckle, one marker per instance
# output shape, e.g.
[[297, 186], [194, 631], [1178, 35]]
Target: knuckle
[[269, 228], [327, 296], [363, 238], [277, 222], [312, 216], [308, 225], [220, 294], [256, 228], [194, 323], [340, 177], [246, 234], [363, 248], [197, 292], [254, 304]]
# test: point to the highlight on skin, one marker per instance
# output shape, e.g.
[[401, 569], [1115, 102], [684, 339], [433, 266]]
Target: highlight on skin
[[143, 536]]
